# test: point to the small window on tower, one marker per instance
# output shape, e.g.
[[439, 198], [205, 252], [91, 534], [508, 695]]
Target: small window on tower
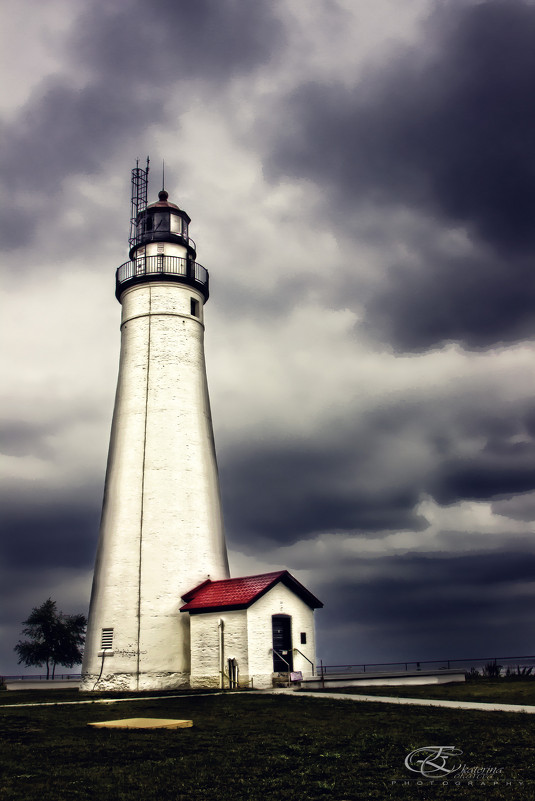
[[106, 640], [303, 638], [195, 307]]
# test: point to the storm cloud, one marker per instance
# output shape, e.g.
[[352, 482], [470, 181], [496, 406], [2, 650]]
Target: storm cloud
[[444, 601], [444, 131], [370, 473], [361, 185], [74, 123]]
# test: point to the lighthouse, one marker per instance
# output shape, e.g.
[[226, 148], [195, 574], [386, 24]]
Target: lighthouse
[[161, 531]]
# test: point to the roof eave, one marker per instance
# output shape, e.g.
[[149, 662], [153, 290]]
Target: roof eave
[[291, 582], [225, 608]]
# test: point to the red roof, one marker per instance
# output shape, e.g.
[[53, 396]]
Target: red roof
[[239, 593]]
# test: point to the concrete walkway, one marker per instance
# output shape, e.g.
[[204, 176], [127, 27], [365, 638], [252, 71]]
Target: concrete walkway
[[43, 684], [108, 700], [380, 699]]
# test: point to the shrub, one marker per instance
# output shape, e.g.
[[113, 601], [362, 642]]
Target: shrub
[[492, 670], [519, 673], [472, 674]]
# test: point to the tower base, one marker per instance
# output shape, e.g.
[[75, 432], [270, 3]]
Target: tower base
[[132, 682]]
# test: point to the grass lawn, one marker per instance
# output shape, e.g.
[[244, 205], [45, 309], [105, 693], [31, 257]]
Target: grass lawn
[[253, 748], [497, 691]]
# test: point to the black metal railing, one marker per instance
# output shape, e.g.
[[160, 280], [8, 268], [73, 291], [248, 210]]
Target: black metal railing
[[43, 677], [512, 662], [163, 265]]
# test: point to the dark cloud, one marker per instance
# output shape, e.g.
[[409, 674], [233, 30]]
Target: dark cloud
[[158, 44], [138, 56], [488, 474], [477, 299], [62, 131], [289, 492], [446, 131], [521, 507], [370, 475], [430, 607], [23, 439], [50, 537], [480, 482]]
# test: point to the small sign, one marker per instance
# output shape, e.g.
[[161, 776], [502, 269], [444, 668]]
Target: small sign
[[296, 676]]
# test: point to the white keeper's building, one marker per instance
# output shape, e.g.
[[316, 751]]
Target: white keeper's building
[[248, 631]]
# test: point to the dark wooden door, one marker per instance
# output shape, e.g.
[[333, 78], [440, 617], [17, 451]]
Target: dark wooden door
[[282, 643]]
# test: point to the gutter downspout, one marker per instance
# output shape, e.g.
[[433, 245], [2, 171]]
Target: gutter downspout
[[221, 638]]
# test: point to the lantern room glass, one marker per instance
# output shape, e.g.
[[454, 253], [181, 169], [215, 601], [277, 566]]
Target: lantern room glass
[[161, 221]]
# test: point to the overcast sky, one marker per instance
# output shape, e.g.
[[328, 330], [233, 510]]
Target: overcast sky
[[361, 182]]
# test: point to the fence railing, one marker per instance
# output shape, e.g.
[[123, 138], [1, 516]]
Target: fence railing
[[42, 677], [511, 662], [166, 265]]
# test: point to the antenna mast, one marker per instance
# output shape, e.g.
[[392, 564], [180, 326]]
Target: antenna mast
[[140, 182]]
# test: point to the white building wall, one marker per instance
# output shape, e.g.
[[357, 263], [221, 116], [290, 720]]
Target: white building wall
[[211, 647], [278, 600], [161, 528]]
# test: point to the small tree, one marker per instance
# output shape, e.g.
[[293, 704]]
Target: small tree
[[54, 638]]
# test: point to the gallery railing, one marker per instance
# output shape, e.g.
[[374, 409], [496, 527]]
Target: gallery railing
[[163, 265]]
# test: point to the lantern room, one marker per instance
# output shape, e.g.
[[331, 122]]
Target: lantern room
[[162, 222], [160, 246]]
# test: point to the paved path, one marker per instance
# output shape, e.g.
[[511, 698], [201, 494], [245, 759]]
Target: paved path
[[382, 699], [43, 684], [107, 700], [472, 705]]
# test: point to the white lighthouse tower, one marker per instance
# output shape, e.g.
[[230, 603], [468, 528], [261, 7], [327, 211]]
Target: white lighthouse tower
[[161, 530]]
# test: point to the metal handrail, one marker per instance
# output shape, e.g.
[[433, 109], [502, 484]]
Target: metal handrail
[[161, 263], [241, 682], [285, 662], [305, 657]]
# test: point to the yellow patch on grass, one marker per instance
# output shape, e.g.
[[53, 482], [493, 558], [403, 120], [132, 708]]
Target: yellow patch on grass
[[143, 723]]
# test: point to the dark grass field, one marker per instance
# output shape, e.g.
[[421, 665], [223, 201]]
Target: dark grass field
[[254, 747], [485, 691]]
